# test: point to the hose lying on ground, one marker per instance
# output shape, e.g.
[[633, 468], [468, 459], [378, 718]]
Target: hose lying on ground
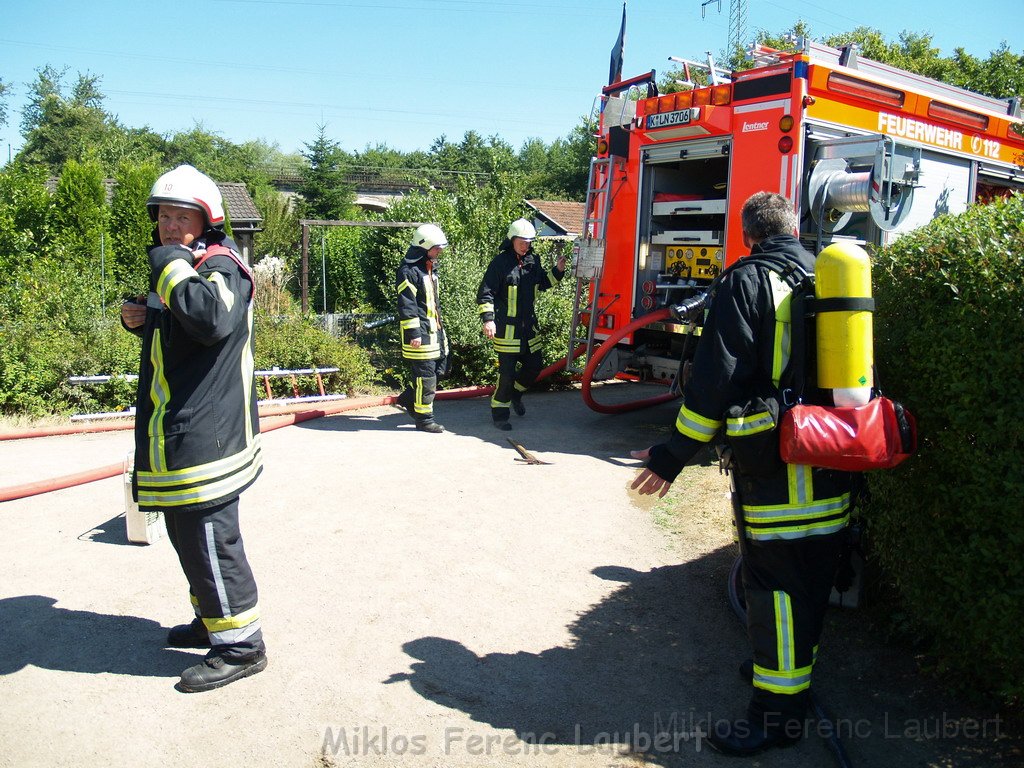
[[269, 421], [276, 419], [607, 346]]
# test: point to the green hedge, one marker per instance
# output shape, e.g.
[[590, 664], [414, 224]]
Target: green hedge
[[293, 343], [475, 220], [948, 525]]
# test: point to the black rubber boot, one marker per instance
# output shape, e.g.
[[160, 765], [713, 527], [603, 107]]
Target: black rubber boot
[[743, 738], [406, 401], [216, 671], [504, 426], [430, 426], [517, 404], [192, 635]]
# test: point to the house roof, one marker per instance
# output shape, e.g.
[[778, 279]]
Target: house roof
[[565, 217], [240, 206]]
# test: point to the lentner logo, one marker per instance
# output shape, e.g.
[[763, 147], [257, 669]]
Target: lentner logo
[[751, 127]]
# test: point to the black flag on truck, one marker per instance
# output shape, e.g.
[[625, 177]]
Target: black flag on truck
[[615, 70]]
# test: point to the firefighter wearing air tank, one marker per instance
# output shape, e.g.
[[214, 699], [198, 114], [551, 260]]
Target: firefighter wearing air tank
[[424, 344], [197, 442], [507, 301], [793, 518]]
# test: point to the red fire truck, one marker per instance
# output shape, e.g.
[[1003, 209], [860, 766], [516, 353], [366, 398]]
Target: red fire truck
[[866, 152]]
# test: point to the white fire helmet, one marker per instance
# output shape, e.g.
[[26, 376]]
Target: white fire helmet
[[185, 186], [521, 228], [427, 236]]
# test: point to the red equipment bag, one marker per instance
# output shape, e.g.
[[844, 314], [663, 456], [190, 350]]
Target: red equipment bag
[[877, 435]]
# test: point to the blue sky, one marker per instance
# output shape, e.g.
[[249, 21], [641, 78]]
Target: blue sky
[[403, 72]]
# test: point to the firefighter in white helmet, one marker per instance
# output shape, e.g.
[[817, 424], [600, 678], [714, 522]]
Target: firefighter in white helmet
[[424, 344], [197, 442], [792, 518], [506, 301]]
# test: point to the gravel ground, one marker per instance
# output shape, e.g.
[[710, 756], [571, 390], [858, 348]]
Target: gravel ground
[[428, 601]]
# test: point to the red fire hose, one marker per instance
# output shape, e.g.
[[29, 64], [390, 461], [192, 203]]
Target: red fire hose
[[607, 346], [269, 422], [281, 416]]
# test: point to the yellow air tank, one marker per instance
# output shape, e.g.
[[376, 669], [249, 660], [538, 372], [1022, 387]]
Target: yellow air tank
[[843, 307]]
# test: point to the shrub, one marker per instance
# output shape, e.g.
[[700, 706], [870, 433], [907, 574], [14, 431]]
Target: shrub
[[948, 525], [291, 342], [50, 330], [130, 229], [475, 219]]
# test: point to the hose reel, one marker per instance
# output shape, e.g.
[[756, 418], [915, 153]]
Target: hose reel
[[838, 187]]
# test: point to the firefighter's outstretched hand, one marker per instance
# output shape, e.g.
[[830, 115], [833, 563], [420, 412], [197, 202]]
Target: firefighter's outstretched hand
[[648, 483], [560, 264], [490, 329]]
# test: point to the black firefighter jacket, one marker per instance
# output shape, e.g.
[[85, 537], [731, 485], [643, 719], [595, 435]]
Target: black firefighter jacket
[[419, 311], [197, 440], [743, 351], [508, 296]]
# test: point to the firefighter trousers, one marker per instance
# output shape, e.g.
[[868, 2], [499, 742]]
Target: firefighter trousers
[[786, 583], [516, 373], [221, 584], [418, 397]]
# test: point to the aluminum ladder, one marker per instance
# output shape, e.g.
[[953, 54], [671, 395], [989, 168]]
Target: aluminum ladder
[[588, 262]]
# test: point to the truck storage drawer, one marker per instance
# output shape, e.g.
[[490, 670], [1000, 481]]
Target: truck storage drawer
[[688, 237], [688, 208]]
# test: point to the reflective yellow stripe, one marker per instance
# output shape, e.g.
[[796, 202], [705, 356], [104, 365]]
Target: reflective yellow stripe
[[421, 353], [412, 322], [486, 307], [700, 428], [176, 271], [223, 291], [202, 472], [789, 532], [783, 630], [800, 479], [194, 494], [160, 395], [428, 290], [232, 622], [786, 682], [742, 426], [248, 376], [406, 284], [513, 298], [507, 341], [418, 405], [778, 512], [782, 294]]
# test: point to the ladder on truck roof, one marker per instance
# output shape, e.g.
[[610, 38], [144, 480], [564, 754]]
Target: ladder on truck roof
[[847, 56], [588, 262]]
